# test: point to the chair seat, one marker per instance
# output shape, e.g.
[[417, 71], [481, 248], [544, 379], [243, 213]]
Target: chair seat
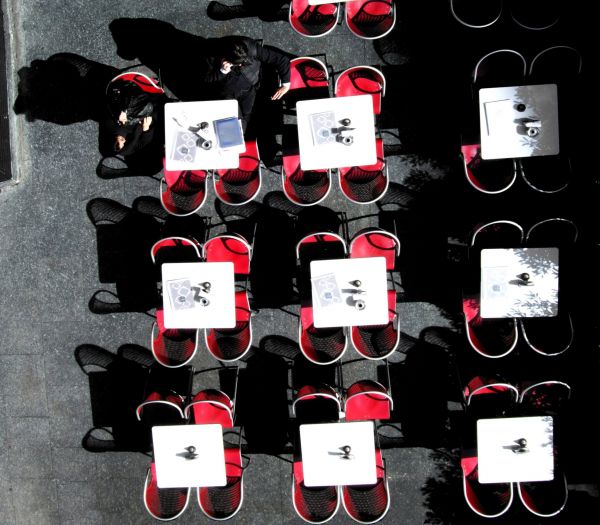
[[304, 187], [221, 503], [489, 500], [313, 504], [535, 14], [370, 18], [163, 504], [476, 14], [313, 20]]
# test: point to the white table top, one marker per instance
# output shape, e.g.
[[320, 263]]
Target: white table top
[[174, 470], [334, 154], [322, 459], [334, 297], [179, 140], [181, 284], [505, 294], [502, 125], [497, 449]]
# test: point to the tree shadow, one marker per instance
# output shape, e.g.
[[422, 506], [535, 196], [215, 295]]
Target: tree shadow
[[262, 406]]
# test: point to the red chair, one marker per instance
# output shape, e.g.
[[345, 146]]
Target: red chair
[[488, 500], [368, 503], [488, 397], [556, 63], [313, 20], [498, 68], [535, 14], [321, 346], [238, 186], [545, 498], [175, 249], [487, 176], [314, 247], [365, 184], [545, 398], [159, 409], [492, 338], [316, 404], [476, 14], [376, 242], [172, 347], [210, 407], [309, 79], [313, 504], [304, 187], [362, 80], [495, 234], [378, 341], [143, 81], [546, 174], [370, 19], [164, 504], [231, 344], [222, 503], [229, 247], [183, 193], [368, 400], [549, 336]]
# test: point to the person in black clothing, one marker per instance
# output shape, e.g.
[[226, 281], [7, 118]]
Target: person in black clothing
[[234, 67], [134, 126]]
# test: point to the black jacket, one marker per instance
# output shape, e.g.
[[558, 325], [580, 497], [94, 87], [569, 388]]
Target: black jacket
[[241, 80]]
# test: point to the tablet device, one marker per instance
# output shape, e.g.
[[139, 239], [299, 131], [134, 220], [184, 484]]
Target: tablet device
[[229, 133]]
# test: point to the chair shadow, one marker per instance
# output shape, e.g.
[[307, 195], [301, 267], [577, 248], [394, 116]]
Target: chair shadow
[[63, 89], [116, 388], [124, 239]]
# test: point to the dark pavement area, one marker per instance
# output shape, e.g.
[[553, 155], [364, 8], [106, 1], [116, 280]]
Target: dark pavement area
[[75, 329]]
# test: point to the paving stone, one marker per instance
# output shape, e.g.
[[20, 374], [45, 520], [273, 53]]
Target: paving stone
[[7, 510], [35, 501], [23, 383], [27, 432], [73, 464]]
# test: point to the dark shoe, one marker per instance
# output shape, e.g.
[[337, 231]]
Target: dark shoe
[[112, 167], [219, 11]]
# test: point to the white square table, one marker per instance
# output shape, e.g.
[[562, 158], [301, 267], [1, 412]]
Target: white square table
[[502, 459], [317, 121], [504, 292], [503, 113], [173, 470], [182, 146], [183, 286], [335, 295], [323, 459]]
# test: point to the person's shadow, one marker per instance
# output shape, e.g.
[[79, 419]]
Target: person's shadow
[[63, 89], [173, 54]]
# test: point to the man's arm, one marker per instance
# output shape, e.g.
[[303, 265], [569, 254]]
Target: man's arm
[[276, 58]]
